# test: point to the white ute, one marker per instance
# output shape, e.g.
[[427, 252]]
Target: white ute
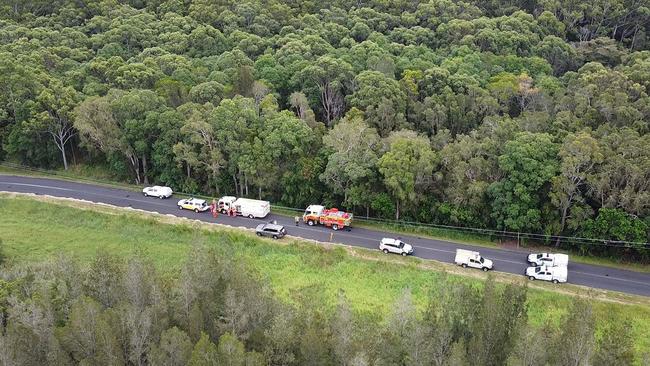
[[245, 206], [544, 273], [157, 191], [388, 245], [548, 259], [468, 258]]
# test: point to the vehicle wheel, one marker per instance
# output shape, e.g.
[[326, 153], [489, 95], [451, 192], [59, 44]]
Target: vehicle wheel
[[161, 197], [310, 222], [335, 227], [275, 236], [403, 254], [250, 216], [145, 194], [556, 282], [223, 212], [485, 269], [259, 234], [464, 265], [196, 210], [531, 278], [180, 207], [385, 251]]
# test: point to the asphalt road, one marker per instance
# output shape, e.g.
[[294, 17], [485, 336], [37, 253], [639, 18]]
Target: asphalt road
[[511, 261]]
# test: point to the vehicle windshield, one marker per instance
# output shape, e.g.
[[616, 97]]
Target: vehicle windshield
[[539, 255], [401, 245], [537, 269], [482, 260]]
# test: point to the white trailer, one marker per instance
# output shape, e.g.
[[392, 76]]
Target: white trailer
[[468, 258], [245, 206]]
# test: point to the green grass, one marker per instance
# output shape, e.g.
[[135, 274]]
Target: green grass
[[32, 231]]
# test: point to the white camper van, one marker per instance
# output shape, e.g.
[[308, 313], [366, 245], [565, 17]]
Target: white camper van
[[468, 258], [244, 206]]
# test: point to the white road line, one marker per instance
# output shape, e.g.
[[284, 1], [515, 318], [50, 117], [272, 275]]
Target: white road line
[[37, 185]]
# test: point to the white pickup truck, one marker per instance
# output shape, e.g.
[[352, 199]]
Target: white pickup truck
[[544, 273], [468, 258], [548, 259]]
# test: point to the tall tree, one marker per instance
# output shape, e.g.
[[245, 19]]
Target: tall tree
[[528, 164], [407, 167], [56, 104], [328, 76], [575, 344], [579, 155], [354, 151]]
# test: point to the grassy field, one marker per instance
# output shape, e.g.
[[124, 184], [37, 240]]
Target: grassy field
[[33, 230]]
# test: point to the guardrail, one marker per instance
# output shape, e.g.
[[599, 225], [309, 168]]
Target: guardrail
[[486, 234]]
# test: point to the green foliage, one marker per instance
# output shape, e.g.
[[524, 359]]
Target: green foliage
[[616, 225], [200, 95], [528, 164], [198, 295]]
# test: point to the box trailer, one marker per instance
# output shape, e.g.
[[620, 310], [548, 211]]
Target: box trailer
[[245, 206]]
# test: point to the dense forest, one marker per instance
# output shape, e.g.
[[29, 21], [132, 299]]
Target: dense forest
[[528, 116], [122, 312]]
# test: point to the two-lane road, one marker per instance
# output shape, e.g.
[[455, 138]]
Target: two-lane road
[[511, 261]]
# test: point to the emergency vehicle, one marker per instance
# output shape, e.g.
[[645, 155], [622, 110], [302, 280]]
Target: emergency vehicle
[[332, 217]]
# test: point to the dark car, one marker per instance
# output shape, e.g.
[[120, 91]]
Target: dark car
[[273, 230]]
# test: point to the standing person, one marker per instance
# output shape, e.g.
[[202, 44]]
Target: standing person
[[297, 220], [214, 209]]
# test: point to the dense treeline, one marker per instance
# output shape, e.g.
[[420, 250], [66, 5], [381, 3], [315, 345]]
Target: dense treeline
[[214, 312], [530, 117]]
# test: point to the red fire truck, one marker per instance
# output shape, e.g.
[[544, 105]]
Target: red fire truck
[[317, 214]]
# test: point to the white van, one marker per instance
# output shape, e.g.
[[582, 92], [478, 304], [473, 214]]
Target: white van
[[468, 258], [544, 273], [245, 207]]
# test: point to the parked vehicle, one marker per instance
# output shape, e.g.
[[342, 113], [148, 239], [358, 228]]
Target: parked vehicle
[[245, 206], [388, 245], [157, 191], [273, 230], [317, 214], [544, 273], [193, 204], [468, 258], [548, 259]]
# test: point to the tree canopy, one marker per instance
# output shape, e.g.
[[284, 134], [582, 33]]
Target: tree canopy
[[530, 116]]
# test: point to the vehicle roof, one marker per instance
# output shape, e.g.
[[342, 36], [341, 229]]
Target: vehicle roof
[[251, 200], [195, 200], [272, 226], [315, 207], [390, 240], [230, 198]]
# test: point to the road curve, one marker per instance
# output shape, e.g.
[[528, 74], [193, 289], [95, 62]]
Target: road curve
[[510, 261]]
